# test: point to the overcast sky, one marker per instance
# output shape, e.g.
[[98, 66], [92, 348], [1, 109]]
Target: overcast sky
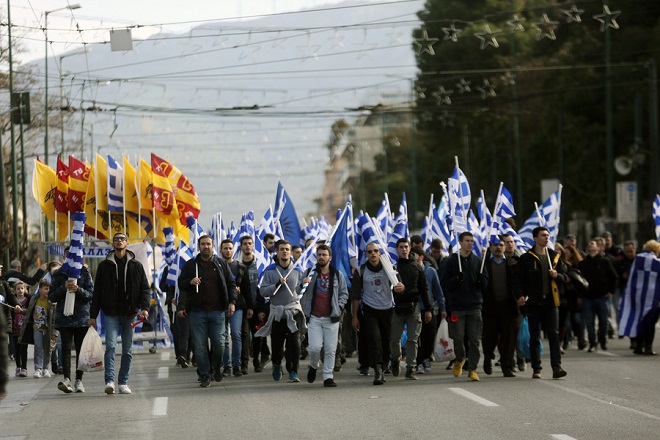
[[155, 15]]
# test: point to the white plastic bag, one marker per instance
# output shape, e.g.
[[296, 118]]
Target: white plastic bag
[[444, 346], [91, 352]]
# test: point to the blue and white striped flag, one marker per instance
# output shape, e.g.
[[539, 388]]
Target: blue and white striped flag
[[311, 231], [520, 244], [169, 251], [217, 232], [642, 294], [485, 221], [325, 228], [503, 210], [263, 257], [74, 258], [656, 215], [458, 183], [384, 219], [184, 254], [245, 229], [479, 239], [525, 232], [399, 230], [196, 231], [115, 186]]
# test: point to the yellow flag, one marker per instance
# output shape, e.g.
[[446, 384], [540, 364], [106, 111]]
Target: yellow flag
[[44, 182], [130, 189]]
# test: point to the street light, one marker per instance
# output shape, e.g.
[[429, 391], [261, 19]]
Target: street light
[[77, 52], [71, 8]]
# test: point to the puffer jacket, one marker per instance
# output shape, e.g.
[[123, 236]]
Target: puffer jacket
[[81, 306]]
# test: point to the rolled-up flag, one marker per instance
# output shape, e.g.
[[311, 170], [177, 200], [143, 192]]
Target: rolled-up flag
[[74, 258]]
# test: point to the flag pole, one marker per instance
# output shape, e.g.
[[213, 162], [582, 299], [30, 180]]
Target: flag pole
[[136, 180], [490, 229], [460, 188], [96, 196], [444, 188]]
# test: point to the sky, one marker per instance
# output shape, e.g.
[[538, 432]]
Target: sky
[[154, 15]]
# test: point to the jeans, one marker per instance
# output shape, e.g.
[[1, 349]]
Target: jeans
[[592, 307], [467, 328], [113, 325], [41, 349], [205, 326], [413, 321], [322, 334], [547, 317], [234, 324]]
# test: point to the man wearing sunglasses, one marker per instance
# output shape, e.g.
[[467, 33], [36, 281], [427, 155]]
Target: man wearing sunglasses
[[121, 290]]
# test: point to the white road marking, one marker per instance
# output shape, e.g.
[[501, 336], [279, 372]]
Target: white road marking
[[473, 397], [596, 399], [607, 353], [163, 373], [563, 437], [160, 406], [165, 356]]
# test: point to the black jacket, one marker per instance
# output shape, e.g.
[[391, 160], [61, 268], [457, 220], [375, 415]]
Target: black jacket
[[13, 275], [463, 289], [242, 280], [600, 274], [489, 298], [105, 288], [190, 299], [82, 303], [414, 279], [528, 279], [10, 300]]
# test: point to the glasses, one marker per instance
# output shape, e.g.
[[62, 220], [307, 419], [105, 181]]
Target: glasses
[[373, 251], [119, 239]]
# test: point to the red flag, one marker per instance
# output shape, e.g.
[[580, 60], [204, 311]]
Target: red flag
[[162, 195], [185, 195], [62, 190], [78, 179]]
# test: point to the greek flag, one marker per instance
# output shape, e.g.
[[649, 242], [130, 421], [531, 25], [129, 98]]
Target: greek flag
[[184, 254], [503, 210], [366, 231], [325, 227], [656, 215], [384, 217], [267, 225], [115, 186], [642, 294], [74, 258], [399, 230], [217, 232], [520, 244], [169, 251], [311, 231], [246, 228], [196, 231], [485, 223], [263, 257], [525, 232], [458, 184], [479, 236]]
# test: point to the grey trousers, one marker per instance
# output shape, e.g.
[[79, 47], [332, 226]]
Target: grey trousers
[[467, 328], [414, 323]]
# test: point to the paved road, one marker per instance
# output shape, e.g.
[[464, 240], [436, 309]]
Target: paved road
[[606, 395]]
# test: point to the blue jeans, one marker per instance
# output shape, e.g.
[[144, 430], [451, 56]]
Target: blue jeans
[[113, 324], [205, 326], [590, 309], [234, 323]]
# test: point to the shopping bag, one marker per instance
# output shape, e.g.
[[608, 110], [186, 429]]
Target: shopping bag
[[91, 352], [524, 340], [444, 346]]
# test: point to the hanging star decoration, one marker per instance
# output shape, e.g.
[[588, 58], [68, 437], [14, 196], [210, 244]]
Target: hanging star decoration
[[546, 28], [338, 40], [516, 23], [488, 37], [463, 86], [607, 18], [573, 14], [420, 92], [443, 96], [309, 50], [368, 52], [507, 79], [425, 44], [487, 90], [451, 33], [446, 119]]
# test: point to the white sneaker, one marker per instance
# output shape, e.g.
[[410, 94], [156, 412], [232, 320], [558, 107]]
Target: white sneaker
[[124, 389], [38, 374], [420, 369], [110, 388], [23, 372], [78, 386], [46, 373], [65, 386], [18, 372]]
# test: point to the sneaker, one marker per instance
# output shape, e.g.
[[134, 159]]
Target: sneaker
[[181, 360], [329, 383], [458, 368], [277, 372], [78, 386], [225, 372], [218, 374], [380, 377], [257, 366], [488, 367], [124, 389], [18, 372], [537, 373], [509, 373], [236, 371], [244, 370], [364, 371], [420, 369], [396, 368], [558, 372], [473, 376], [38, 374], [23, 372], [521, 365], [303, 354], [592, 348], [410, 373], [427, 366], [206, 382], [293, 377], [337, 368], [311, 375], [46, 373], [450, 365], [110, 388], [65, 386], [264, 360]]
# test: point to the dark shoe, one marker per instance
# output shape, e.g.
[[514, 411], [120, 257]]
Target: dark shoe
[[521, 365], [509, 374], [497, 364], [592, 348], [337, 368], [450, 365], [226, 372], [257, 366], [329, 383], [277, 372], [582, 345], [264, 360], [649, 352], [558, 372], [537, 373], [379, 378], [411, 374], [311, 375], [237, 372], [181, 360], [396, 368], [488, 368], [638, 351], [364, 371], [603, 345], [303, 354], [218, 374], [206, 382], [244, 370]]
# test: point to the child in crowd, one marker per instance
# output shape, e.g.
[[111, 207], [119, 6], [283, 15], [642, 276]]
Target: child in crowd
[[20, 350], [39, 324]]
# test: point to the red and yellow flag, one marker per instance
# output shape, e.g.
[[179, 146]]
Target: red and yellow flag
[[62, 190], [44, 184], [185, 195], [78, 178], [144, 183]]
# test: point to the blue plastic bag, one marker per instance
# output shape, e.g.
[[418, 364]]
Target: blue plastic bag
[[524, 339]]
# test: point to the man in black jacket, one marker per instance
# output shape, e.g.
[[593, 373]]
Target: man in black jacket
[[208, 293], [121, 291], [538, 274], [406, 309]]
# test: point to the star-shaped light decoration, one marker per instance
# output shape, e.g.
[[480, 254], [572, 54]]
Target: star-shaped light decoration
[[368, 52], [516, 23], [338, 40], [546, 28], [443, 96], [451, 33], [573, 14], [309, 50], [446, 119], [420, 92], [395, 36], [507, 79], [425, 44], [463, 86], [607, 18], [486, 89], [488, 37]]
